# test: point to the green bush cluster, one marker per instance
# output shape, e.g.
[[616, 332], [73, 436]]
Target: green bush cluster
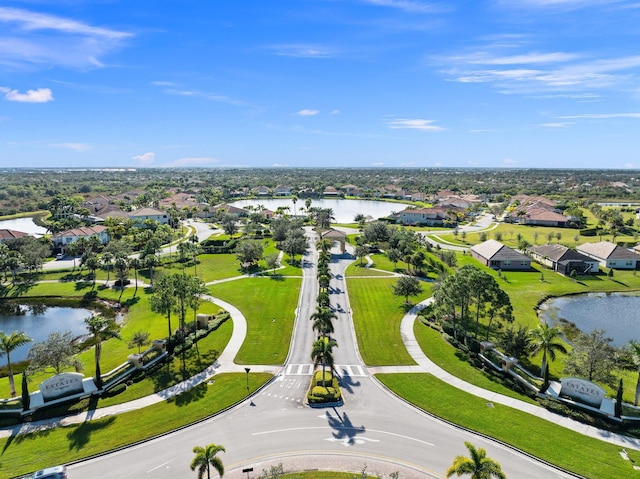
[[320, 394]]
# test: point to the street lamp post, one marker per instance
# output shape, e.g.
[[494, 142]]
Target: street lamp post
[[247, 371]]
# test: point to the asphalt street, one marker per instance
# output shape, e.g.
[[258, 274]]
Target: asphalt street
[[372, 427]]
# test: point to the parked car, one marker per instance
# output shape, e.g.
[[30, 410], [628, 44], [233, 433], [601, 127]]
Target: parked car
[[56, 472]]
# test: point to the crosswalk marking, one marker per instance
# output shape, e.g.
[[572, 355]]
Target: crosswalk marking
[[342, 369]]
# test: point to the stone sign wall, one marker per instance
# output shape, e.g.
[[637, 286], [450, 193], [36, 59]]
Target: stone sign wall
[[583, 391], [60, 385]]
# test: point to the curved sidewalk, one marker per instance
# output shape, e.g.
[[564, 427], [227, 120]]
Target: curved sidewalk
[[223, 364], [428, 366]]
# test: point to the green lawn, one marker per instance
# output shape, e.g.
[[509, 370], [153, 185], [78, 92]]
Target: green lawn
[[445, 355], [586, 456], [24, 454], [269, 306], [377, 314]]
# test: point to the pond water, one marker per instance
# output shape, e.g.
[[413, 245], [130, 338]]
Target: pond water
[[343, 210], [37, 321], [616, 313], [26, 225]]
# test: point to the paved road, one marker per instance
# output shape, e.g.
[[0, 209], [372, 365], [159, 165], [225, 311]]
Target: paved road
[[373, 427]]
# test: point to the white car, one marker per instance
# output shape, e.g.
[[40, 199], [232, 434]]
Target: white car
[[57, 472]]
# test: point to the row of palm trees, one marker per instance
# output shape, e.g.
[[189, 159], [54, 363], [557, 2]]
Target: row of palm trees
[[322, 349]]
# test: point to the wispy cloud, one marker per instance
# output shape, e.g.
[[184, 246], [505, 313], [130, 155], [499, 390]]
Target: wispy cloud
[[79, 147], [307, 112], [601, 116], [409, 6], [559, 4], [414, 124], [303, 50], [206, 96], [536, 73], [38, 39], [559, 124], [146, 158], [40, 95]]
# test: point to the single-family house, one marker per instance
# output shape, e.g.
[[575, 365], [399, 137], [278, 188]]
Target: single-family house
[[330, 191], [457, 201], [64, 238], [143, 214], [495, 255], [610, 255], [422, 216], [564, 260], [282, 190], [6, 235], [261, 191]]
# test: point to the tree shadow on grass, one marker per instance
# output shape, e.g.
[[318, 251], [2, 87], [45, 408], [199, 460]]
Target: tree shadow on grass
[[187, 397], [81, 435]]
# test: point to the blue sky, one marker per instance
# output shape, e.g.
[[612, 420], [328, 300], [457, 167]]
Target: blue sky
[[385, 83]]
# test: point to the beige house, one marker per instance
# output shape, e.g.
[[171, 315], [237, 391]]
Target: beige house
[[495, 255], [610, 255]]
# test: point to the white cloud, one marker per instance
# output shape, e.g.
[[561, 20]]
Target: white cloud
[[32, 38], [307, 112], [207, 96], [409, 6], [41, 95], [377, 163], [601, 116], [146, 158], [303, 51], [559, 124], [79, 147], [335, 112], [509, 161], [414, 124]]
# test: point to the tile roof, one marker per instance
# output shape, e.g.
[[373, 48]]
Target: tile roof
[[494, 250], [607, 250]]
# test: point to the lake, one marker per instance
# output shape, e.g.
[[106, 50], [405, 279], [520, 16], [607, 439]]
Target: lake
[[344, 210], [617, 313], [37, 321], [26, 225]]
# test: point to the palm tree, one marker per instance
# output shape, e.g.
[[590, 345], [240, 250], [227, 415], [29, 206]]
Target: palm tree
[[136, 264], [322, 352], [107, 263], [635, 357], [544, 338], [101, 329], [477, 466], [207, 457], [323, 321], [324, 245], [294, 199], [7, 344]]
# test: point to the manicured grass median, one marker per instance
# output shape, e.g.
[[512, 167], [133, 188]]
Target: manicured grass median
[[24, 454], [377, 314], [572, 451], [269, 306]]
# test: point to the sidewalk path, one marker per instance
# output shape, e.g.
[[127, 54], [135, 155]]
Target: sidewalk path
[[222, 365], [428, 366]]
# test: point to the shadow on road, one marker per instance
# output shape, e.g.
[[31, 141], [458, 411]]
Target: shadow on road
[[346, 381], [344, 430]]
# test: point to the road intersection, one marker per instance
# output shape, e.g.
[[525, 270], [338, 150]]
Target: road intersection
[[373, 428]]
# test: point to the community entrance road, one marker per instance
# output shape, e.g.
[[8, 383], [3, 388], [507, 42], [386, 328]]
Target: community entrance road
[[372, 427]]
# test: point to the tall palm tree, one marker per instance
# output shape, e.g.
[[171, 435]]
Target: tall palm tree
[[322, 353], [635, 356], [477, 466], [323, 321], [107, 263], [324, 245], [101, 329], [207, 457], [545, 338], [8, 343]]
